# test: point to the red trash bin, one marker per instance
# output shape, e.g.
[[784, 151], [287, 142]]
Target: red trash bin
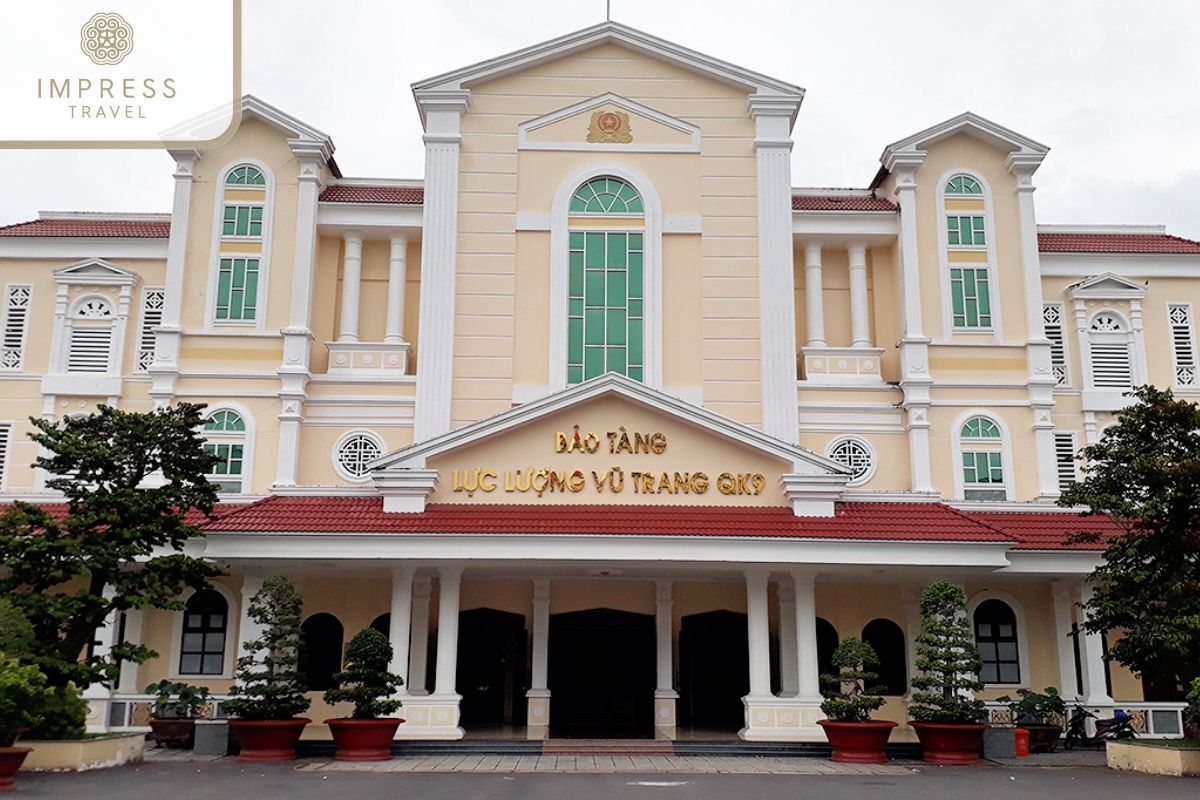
[[1022, 742]]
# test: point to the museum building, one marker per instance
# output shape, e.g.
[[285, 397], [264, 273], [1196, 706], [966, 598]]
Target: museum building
[[611, 429]]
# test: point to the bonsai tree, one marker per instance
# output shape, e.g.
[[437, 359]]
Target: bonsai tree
[[269, 684], [848, 699], [69, 571], [52, 712], [366, 681], [947, 660], [1035, 708], [22, 696], [173, 700]]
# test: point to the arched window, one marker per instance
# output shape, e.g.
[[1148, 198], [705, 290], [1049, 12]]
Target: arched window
[[1110, 348], [827, 642], [354, 452], [205, 625], [856, 455], [968, 254], [225, 431], [90, 339], [982, 452], [888, 640], [383, 623], [963, 185], [606, 282], [996, 638], [242, 222], [321, 651]]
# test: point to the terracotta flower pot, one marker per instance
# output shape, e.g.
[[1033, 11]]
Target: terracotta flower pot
[[11, 759], [858, 742], [946, 743], [363, 739], [268, 740], [1043, 738], [173, 732]]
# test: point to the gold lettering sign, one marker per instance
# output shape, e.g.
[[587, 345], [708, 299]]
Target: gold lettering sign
[[609, 127]]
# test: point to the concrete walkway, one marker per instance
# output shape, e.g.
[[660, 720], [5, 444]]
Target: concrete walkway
[[696, 765]]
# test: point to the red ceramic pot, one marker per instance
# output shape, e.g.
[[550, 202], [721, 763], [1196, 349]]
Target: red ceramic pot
[[268, 740], [858, 742], [363, 739], [11, 759], [944, 743]]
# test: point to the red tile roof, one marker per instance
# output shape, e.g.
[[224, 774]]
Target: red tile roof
[[91, 228], [853, 521], [1048, 530], [393, 195], [805, 202], [1116, 243]]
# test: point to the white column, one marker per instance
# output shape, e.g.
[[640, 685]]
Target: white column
[[247, 628], [449, 582], [1064, 644], [789, 684], [165, 369], [397, 275], [537, 715], [1095, 690], [814, 302], [808, 676], [664, 693], [773, 117], [400, 626], [419, 649], [911, 609], [439, 256], [758, 634], [860, 325], [98, 694], [352, 241], [127, 682]]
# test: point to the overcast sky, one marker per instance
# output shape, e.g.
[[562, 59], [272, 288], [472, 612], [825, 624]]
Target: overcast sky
[[1111, 87]]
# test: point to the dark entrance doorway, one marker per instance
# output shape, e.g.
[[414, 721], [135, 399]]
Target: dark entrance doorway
[[491, 667], [714, 670], [601, 674]]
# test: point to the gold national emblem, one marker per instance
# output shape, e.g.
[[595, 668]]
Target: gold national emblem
[[609, 127], [106, 38]]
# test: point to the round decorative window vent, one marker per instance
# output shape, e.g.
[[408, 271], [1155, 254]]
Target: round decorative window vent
[[857, 456], [354, 453]]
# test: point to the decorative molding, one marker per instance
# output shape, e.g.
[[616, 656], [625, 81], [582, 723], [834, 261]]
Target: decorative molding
[[626, 105]]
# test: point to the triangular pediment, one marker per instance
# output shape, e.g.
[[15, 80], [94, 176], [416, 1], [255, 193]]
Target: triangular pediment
[[1021, 149], [636, 128], [95, 271], [1108, 285], [663, 449]]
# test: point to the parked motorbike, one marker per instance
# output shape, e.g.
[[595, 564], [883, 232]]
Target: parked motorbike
[[1118, 726]]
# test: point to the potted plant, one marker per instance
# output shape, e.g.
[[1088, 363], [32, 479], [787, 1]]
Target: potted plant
[[1036, 713], [366, 735], [173, 715], [854, 736], [945, 713], [268, 691], [22, 692]]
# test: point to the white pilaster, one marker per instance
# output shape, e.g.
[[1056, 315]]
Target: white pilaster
[[449, 583], [773, 116], [439, 255], [397, 276], [814, 301], [400, 627], [127, 681], [664, 693], [911, 608], [860, 324], [352, 243], [247, 628], [1095, 689], [538, 696], [164, 370], [758, 634], [418, 656], [789, 683], [807, 672], [97, 695], [1064, 646]]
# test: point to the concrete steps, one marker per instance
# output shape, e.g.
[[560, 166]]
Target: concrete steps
[[622, 747]]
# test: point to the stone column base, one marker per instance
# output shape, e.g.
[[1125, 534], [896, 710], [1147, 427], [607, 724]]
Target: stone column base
[[782, 719], [537, 720], [664, 713], [430, 716]]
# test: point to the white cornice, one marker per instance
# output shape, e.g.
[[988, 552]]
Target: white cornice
[[609, 98], [105, 216], [95, 271], [304, 139], [1108, 286], [1026, 153], [1122, 230]]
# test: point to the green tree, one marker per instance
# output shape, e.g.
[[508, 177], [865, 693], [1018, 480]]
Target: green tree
[[22, 692], [1145, 474], [848, 698], [946, 659], [119, 543], [269, 683], [366, 681]]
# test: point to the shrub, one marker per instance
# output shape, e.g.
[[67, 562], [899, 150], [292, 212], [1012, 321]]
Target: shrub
[[1035, 708], [174, 700], [947, 660], [63, 715], [848, 699], [22, 695], [269, 684], [1191, 715], [366, 681]]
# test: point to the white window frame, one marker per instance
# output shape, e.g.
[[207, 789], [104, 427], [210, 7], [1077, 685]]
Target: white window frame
[[1074, 438], [341, 442], [110, 324], [6, 438], [977, 600], [232, 636], [996, 330], [24, 334], [1062, 341], [259, 323], [146, 335], [1136, 375], [1191, 334], [871, 454], [1006, 461], [246, 438], [652, 324]]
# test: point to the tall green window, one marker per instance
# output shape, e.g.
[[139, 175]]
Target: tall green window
[[242, 221], [969, 296], [605, 282], [226, 433], [237, 288], [963, 184], [965, 230], [982, 460]]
